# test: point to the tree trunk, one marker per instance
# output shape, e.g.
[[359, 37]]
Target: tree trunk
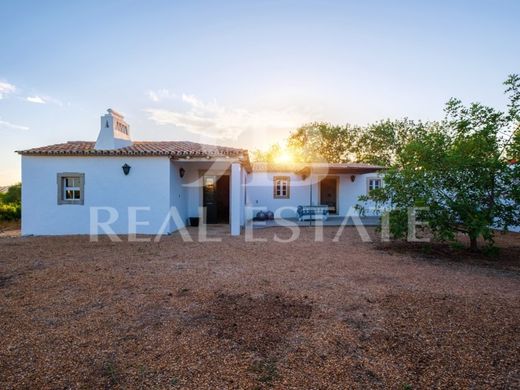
[[473, 244]]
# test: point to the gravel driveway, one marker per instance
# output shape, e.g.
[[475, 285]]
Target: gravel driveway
[[236, 314]]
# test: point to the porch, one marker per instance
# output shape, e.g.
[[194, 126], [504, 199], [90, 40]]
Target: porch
[[210, 190], [332, 220]]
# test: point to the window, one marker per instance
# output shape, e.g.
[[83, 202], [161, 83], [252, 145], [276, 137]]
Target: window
[[373, 184], [71, 188], [281, 188]]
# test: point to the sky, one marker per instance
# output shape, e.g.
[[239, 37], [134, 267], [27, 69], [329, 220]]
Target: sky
[[241, 73]]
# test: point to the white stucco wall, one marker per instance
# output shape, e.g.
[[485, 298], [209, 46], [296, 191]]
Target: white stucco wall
[[260, 191], [154, 183], [179, 195], [147, 185], [349, 192]]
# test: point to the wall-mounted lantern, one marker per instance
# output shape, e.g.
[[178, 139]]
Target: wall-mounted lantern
[[182, 171], [352, 178], [126, 169]]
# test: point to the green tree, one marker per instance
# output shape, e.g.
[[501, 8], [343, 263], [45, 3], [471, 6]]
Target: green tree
[[381, 142], [13, 194], [10, 203], [460, 170], [269, 155], [320, 141]]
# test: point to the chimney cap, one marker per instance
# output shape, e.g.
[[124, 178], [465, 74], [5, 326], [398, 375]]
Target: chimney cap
[[115, 113]]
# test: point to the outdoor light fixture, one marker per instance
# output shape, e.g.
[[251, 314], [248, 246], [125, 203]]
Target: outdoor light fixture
[[182, 171], [352, 178], [126, 169]]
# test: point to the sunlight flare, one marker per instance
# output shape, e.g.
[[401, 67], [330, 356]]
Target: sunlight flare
[[285, 156]]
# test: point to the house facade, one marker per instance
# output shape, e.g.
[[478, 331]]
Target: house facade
[[142, 187]]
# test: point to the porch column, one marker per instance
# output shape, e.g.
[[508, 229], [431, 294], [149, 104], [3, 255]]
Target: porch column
[[234, 199]]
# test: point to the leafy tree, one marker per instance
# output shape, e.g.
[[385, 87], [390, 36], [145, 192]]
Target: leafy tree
[[13, 194], [269, 155], [10, 211], [320, 141], [10, 203], [381, 142], [460, 170], [377, 143]]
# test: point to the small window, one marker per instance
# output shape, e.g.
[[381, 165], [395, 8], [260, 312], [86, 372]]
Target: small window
[[71, 188], [281, 188], [373, 184]]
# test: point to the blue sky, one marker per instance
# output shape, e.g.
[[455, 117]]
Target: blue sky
[[241, 73]]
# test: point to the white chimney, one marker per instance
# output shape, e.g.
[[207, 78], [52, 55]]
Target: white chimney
[[114, 133]]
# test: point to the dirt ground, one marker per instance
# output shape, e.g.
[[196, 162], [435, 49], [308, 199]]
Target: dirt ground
[[236, 314]]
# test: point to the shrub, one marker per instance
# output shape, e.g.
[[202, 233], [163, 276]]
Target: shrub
[[10, 211], [13, 194]]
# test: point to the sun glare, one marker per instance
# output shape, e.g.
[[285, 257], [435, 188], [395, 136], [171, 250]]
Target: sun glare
[[284, 157]]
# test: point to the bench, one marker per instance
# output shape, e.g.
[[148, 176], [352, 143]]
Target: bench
[[312, 213]]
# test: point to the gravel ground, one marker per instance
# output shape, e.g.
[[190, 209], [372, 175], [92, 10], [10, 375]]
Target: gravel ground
[[232, 314]]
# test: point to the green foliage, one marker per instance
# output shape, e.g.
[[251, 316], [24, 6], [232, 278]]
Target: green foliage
[[384, 142], [10, 212], [378, 143], [381, 142], [513, 89], [398, 223], [268, 155], [460, 169], [13, 194], [320, 141], [10, 203]]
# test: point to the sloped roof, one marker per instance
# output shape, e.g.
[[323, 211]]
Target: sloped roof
[[179, 149], [305, 168]]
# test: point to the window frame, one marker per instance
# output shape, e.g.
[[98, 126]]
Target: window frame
[[282, 179], [60, 178], [369, 179]]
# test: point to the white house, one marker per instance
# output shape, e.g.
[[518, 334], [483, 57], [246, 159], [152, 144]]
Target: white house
[[133, 186]]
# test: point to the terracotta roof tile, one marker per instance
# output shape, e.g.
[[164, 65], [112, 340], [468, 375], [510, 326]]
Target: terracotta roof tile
[[180, 149]]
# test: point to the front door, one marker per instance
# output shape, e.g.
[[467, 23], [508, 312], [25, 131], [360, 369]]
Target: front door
[[328, 193], [215, 197]]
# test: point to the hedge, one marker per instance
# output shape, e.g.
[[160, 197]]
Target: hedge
[[10, 211]]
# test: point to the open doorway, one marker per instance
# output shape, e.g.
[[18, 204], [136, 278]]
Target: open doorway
[[215, 197], [329, 193]]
